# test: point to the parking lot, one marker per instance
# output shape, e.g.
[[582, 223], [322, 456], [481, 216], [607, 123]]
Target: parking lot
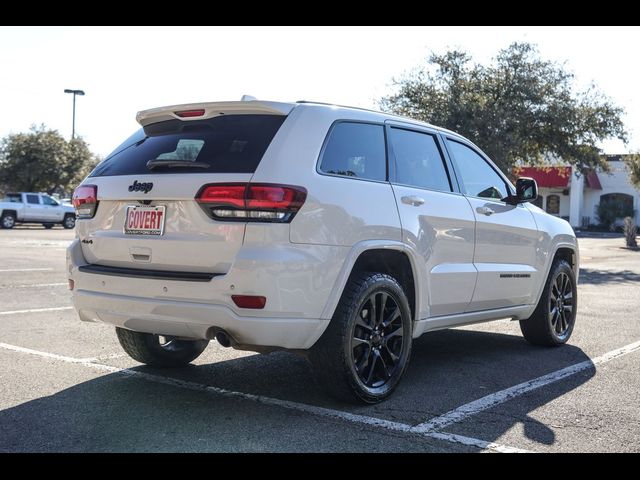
[[67, 386]]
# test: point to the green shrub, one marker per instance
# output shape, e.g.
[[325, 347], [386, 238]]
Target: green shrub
[[609, 212]]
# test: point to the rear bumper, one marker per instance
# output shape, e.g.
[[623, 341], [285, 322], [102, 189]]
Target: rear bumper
[[295, 279], [195, 320]]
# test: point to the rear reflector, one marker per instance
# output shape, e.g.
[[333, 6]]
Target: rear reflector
[[251, 202], [249, 301], [190, 113], [85, 201]]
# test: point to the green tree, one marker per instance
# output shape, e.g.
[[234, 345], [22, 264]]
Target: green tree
[[518, 108], [633, 164], [41, 160]]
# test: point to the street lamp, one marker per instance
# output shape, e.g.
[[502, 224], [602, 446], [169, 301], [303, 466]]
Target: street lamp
[[73, 125]]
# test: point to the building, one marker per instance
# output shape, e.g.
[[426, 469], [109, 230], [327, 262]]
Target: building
[[576, 197]]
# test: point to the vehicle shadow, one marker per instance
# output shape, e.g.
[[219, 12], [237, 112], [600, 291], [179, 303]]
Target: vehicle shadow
[[119, 413], [601, 277]]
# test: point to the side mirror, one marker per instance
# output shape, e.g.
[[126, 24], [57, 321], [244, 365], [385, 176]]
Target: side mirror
[[526, 190]]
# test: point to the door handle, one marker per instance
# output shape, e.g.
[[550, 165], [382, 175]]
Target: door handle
[[412, 200], [485, 211]]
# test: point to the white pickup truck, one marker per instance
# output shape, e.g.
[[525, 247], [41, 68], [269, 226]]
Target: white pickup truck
[[28, 207]]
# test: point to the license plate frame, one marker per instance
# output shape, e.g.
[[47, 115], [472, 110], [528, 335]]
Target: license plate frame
[[136, 225]]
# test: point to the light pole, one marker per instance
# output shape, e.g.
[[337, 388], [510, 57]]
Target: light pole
[[73, 125]]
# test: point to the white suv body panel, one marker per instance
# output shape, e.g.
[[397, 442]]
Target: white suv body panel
[[455, 253]]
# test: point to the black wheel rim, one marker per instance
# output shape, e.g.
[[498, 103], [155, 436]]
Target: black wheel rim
[[561, 303], [378, 340]]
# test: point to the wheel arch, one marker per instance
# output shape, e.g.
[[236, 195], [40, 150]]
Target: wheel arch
[[566, 251], [392, 258]]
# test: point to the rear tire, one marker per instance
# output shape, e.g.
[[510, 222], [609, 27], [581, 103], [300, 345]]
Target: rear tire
[[364, 352], [7, 220], [147, 348], [553, 320], [69, 221]]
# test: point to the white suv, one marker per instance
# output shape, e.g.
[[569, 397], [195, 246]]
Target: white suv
[[337, 233]]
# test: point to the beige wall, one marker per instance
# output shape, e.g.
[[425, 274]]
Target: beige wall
[[616, 182], [564, 200]]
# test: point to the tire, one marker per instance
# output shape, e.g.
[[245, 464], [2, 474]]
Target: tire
[[69, 221], [8, 220], [48, 226], [553, 320], [147, 348], [365, 370]]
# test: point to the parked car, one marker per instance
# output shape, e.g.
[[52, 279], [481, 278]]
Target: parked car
[[27, 207], [338, 233]]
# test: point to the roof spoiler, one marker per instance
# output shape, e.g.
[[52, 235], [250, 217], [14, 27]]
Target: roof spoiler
[[200, 111]]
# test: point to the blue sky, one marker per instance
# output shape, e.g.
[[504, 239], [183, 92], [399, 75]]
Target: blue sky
[[126, 69]]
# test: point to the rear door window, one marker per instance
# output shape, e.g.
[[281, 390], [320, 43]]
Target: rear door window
[[355, 150], [223, 144], [419, 162], [33, 199]]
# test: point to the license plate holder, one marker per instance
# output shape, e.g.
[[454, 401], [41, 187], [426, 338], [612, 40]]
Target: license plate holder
[[144, 220]]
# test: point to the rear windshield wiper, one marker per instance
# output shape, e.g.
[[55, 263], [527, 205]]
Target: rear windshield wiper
[[158, 163]]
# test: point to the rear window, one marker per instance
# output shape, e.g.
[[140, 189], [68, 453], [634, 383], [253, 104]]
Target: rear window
[[355, 150], [13, 198], [224, 144]]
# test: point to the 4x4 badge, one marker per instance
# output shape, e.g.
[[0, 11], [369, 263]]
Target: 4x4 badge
[[141, 187]]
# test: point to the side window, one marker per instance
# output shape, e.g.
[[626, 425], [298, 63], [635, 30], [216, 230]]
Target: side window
[[419, 162], [476, 176], [553, 204], [46, 200], [355, 150], [33, 199]]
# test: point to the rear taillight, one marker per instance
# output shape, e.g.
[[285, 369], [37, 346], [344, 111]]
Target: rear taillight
[[252, 202], [85, 201]]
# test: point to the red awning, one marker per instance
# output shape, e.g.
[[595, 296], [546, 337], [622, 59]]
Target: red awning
[[593, 181], [550, 177]]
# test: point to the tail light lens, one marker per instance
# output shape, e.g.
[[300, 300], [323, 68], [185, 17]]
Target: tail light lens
[[251, 202], [249, 301], [85, 201]]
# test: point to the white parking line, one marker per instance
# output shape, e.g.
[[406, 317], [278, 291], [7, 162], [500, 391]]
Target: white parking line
[[29, 351], [9, 270], [35, 285], [301, 407], [36, 310], [490, 401]]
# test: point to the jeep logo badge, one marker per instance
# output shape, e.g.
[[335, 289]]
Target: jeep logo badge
[[140, 187]]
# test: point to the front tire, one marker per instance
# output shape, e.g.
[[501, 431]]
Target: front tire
[[69, 221], [8, 220], [365, 350], [553, 320], [158, 351]]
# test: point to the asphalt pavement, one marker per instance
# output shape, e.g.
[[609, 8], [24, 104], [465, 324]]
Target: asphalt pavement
[[66, 386]]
